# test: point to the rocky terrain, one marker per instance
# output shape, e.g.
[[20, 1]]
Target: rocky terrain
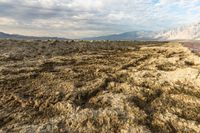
[[88, 87]]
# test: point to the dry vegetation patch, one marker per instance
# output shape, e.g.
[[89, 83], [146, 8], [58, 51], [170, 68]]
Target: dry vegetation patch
[[67, 86]]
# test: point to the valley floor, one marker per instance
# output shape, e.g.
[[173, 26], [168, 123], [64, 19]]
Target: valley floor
[[53, 86]]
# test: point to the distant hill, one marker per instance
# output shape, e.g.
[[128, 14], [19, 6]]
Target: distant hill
[[134, 35], [187, 32], [21, 37]]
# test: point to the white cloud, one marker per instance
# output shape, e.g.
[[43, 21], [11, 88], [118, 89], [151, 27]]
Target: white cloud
[[81, 18], [86, 4], [7, 21], [118, 16]]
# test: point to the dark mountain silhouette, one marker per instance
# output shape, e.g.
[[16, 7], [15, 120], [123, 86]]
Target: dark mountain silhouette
[[22, 37]]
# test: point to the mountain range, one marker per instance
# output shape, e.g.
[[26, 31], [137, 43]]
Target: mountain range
[[22, 37], [186, 32]]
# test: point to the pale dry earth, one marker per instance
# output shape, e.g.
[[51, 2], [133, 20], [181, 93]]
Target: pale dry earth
[[88, 87], [193, 46]]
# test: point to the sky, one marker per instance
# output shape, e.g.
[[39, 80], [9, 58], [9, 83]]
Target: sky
[[88, 18]]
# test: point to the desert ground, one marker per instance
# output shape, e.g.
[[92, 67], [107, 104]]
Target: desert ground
[[100, 86], [193, 46]]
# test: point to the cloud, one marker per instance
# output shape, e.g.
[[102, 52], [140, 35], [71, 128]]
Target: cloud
[[83, 18], [7, 21]]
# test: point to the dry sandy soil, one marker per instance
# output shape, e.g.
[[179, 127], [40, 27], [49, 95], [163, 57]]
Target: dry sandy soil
[[125, 87], [193, 46]]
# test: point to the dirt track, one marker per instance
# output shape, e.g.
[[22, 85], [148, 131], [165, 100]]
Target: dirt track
[[98, 87]]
